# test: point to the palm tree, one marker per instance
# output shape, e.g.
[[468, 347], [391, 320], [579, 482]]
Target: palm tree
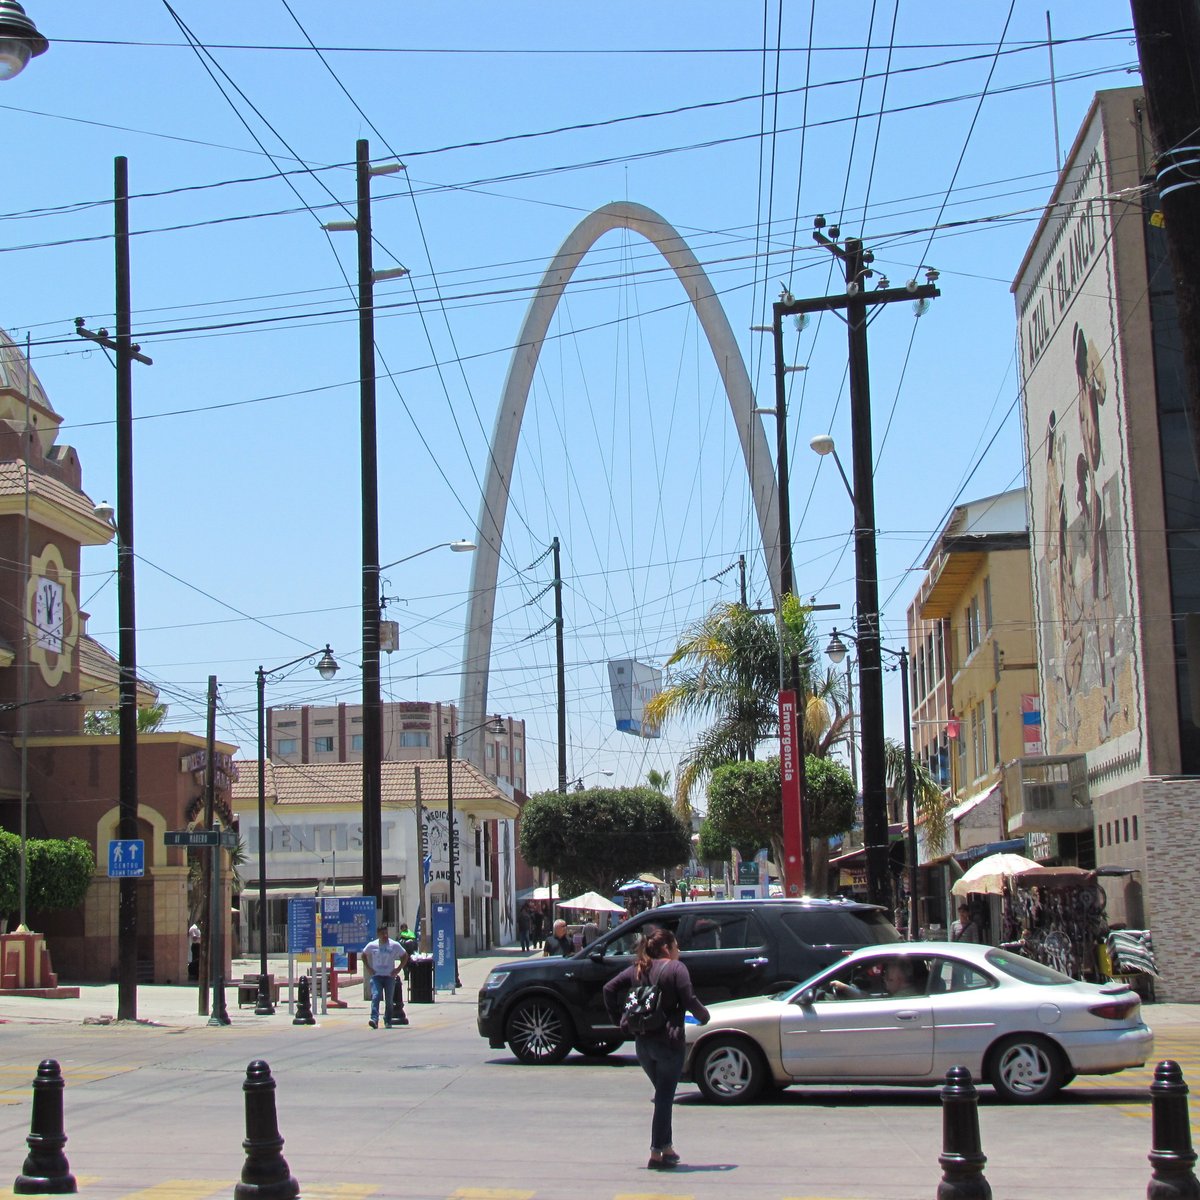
[[928, 798], [725, 671]]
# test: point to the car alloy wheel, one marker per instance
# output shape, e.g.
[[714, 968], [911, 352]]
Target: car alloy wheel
[[537, 1032], [1026, 1070], [729, 1071]]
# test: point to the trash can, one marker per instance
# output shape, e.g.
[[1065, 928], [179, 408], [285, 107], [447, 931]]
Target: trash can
[[420, 979]]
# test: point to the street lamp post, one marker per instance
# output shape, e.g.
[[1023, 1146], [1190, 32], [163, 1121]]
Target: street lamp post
[[494, 724], [327, 668], [836, 650], [577, 782]]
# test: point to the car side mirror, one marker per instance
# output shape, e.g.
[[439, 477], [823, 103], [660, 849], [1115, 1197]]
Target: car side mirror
[[807, 998], [596, 955]]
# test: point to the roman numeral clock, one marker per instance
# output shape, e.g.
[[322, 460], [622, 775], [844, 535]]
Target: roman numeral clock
[[51, 615]]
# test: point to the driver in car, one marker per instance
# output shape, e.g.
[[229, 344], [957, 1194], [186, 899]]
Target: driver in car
[[897, 981]]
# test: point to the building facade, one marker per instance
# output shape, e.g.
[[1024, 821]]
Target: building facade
[[1114, 500], [55, 779], [412, 729]]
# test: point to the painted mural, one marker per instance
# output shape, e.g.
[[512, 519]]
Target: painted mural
[[1078, 489]]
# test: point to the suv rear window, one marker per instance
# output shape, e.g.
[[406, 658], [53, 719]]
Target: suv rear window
[[821, 927], [722, 931]]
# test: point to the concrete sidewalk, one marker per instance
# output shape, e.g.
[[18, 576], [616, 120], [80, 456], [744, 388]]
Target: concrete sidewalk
[[177, 1006]]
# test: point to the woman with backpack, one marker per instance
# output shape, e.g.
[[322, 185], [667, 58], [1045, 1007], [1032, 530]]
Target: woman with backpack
[[649, 1000]]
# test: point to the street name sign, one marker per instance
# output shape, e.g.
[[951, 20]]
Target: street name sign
[[201, 837]]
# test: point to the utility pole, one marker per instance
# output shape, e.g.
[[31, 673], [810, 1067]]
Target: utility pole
[[1168, 41], [560, 667], [125, 351], [372, 786], [856, 302]]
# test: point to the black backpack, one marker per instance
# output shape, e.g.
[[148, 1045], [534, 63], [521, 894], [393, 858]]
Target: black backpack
[[645, 1011]]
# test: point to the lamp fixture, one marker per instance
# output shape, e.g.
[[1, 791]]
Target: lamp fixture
[[19, 40]]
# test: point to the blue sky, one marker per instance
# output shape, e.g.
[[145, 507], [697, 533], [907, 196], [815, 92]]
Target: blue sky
[[514, 122]]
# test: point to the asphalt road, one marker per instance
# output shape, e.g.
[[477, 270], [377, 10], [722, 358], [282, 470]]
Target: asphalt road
[[430, 1112]]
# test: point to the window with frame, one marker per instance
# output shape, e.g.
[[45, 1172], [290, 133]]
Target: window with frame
[[987, 602], [356, 742], [984, 760], [411, 739], [995, 728], [491, 750], [323, 745], [504, 754], [285, 746]]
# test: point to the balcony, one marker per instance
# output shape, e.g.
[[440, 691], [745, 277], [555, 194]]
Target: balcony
[[1048, 794]]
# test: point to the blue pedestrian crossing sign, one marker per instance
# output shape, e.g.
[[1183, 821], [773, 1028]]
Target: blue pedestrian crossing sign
[[126, 856]]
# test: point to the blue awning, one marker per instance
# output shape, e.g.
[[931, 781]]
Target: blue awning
[[1012, 846]]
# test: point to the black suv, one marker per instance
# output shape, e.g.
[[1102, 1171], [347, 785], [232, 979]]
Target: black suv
[[542, 1007]]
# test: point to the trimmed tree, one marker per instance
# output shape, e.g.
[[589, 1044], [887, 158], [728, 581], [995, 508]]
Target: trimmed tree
[[596, 839], [745, 809], [58, 874]]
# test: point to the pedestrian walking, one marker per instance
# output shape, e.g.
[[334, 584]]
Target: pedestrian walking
[[194, 936], [537, 923], [660, 1051], [523, 926], [384, 958], [965, 929]]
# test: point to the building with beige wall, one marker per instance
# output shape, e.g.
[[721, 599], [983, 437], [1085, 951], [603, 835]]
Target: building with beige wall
[[1114, 501], [412, 729]]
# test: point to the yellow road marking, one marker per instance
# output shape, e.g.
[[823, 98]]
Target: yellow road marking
[[180, 1189], [653, 1196], [473, 1193]]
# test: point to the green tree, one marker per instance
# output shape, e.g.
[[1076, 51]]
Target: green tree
[[106, 721], [58, 874], [597, 838], [660, 781], [928, 797], [745, 810]]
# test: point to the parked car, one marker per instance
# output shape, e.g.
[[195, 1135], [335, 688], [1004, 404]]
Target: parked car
[[906, 1014], [542, 1007]]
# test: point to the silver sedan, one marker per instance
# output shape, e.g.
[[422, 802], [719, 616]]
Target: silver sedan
[[906, 1014]]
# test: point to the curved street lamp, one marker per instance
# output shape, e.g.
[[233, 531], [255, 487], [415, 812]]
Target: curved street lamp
[[494, 724], [19, 40], [327, 668]]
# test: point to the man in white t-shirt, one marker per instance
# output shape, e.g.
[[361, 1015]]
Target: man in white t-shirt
[[384, 958]]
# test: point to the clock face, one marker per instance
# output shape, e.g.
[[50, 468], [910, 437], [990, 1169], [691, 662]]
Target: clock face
[[48, 615], [52, 616]]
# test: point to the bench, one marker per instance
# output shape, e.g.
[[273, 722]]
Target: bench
[[247, 990]]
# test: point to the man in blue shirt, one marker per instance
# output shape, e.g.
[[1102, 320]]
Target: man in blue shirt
[[384, 959]]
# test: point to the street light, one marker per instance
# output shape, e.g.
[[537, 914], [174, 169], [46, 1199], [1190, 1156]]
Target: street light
[[19, 40], [577, 782], [460, 546], [327, 668], [836, 650], [494, 724]]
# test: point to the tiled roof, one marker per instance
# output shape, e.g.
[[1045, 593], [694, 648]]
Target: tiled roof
[[341, 783], [12, 483], [98, 670]]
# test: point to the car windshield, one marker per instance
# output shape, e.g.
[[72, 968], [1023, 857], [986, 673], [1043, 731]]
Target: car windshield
[[1025, 970]]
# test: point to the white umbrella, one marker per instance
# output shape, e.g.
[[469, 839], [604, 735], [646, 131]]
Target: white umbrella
[[592, 901], [988, 875]]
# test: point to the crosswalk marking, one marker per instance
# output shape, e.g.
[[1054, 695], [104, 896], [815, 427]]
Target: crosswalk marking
[[181, 1189], [340, 1191], [653, 1196]]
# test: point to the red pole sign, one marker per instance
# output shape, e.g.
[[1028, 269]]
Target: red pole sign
[[789, 777]]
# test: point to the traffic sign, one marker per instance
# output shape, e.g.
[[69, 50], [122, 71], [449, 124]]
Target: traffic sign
[[201, 838], [126, 857]]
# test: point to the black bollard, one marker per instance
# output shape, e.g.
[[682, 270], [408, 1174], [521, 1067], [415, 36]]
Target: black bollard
[[265, 1173], [1171, 1155], [46, 1170], [304, 1012], [962, 1158]]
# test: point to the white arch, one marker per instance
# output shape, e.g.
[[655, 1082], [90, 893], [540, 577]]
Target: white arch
[[477, 648]]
